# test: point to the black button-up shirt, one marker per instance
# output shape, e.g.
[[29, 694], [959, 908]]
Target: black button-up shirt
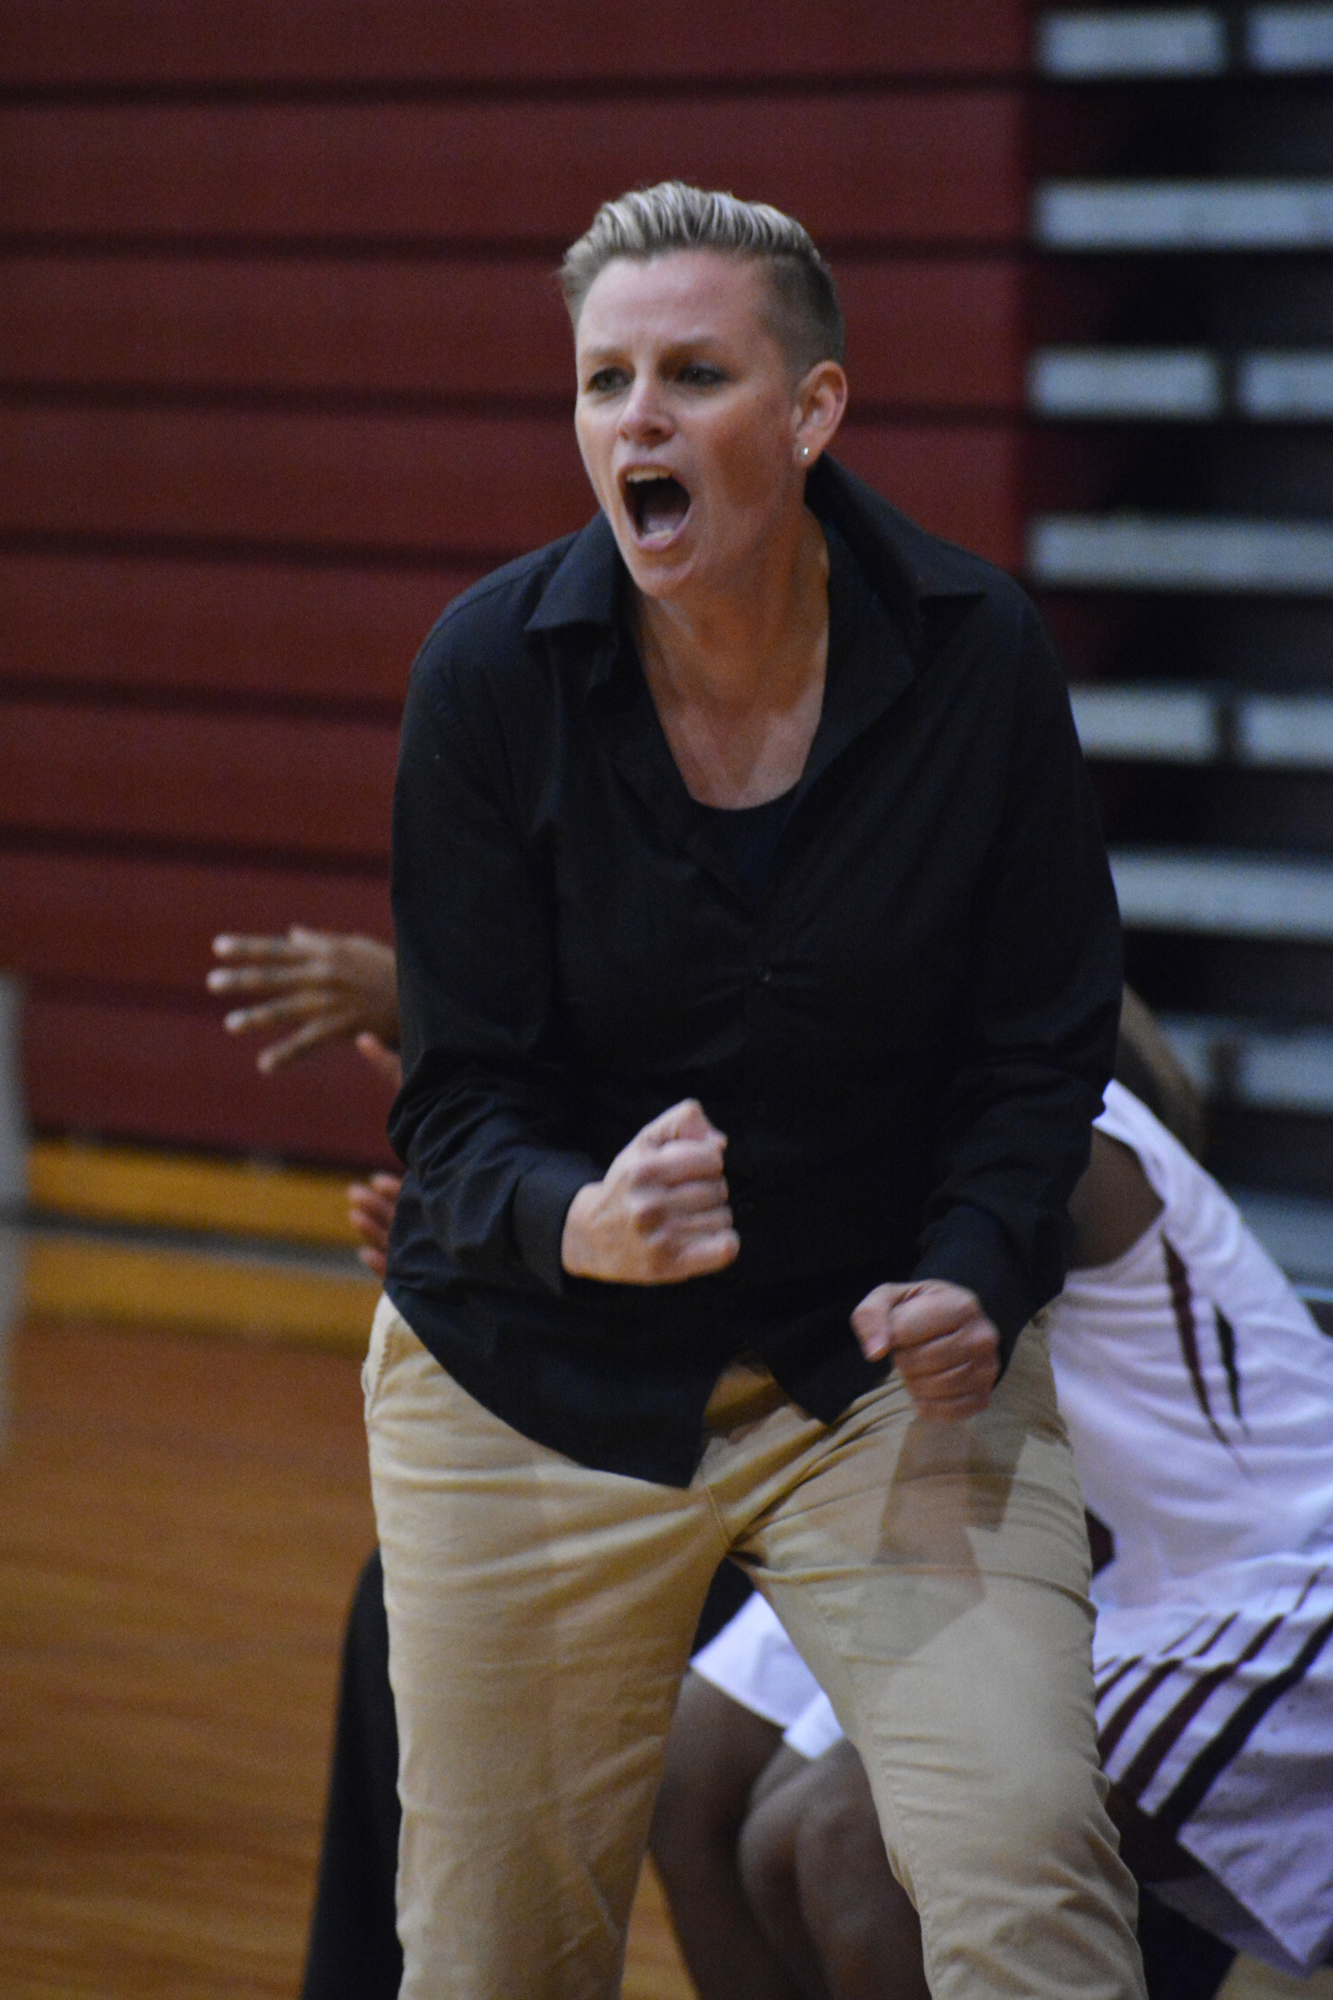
[[904, 1029]]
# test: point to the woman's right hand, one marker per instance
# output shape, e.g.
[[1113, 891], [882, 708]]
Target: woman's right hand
[[660, 1215]]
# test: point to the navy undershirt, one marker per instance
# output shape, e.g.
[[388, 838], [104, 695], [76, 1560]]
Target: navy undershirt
[[748, 835]]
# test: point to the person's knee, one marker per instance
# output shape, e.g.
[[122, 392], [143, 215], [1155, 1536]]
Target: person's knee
[[839, 1848], [715, 1750], [766, 1852], [851, 1902]]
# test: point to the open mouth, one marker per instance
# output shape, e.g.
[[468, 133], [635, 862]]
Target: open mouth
[[657, 502]]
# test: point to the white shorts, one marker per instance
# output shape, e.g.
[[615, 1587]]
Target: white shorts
[[754, 1662], [1218, 1720], [1215, 1714]]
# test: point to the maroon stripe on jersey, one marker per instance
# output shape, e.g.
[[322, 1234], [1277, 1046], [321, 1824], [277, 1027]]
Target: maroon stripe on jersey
[[1209, 1765], [1114, 1678], [1226, 1342], [1182, 1303], [1152, 1755], [1109, 1737]]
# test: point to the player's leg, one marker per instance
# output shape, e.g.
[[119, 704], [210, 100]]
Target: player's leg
[[716, 1752], [814, 1864], [353, 1952]]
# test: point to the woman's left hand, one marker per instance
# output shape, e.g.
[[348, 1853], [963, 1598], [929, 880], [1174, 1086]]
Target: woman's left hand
[[945, 1348]]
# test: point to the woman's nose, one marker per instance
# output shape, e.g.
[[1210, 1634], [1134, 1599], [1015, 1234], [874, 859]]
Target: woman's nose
[[643, 413]]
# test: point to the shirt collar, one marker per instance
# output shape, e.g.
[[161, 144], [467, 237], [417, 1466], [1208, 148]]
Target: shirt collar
[[905, 565]]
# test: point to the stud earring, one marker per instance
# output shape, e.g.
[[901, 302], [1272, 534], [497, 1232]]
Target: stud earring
[[805, 451]]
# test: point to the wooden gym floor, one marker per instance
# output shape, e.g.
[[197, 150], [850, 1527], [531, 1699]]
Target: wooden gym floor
[[182, 1516], [181, 1522]]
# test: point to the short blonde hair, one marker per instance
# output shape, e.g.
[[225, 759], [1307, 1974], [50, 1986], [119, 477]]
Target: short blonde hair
[[649, 222]]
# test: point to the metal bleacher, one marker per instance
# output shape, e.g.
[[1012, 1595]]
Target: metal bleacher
[[1204, 554]]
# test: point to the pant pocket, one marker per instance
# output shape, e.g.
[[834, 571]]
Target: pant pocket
[[387, 1317]]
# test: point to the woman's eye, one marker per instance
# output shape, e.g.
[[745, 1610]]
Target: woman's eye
[[699, 375], [604, 379]]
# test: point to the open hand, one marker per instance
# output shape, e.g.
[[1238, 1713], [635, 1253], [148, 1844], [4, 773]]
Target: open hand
[[941, 1341], [321, 985], [660, 1215]]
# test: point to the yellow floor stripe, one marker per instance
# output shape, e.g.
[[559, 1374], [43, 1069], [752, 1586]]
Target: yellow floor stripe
[[186, 1191], [70, 1277]]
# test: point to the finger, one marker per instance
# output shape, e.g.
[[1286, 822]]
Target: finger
[[365, 1206], [709, 1221], [330, 1029], [936, 1366], [682, 1201], [374, 1260], [676, 1162], [931, 1313], [686, 1120], [660, 1228], [968, 1348], [387, 1184], [870, 1324], [699, 1255], [369, 1215], [279, 950], [300, 1006], [387, 1061], [262, 978]]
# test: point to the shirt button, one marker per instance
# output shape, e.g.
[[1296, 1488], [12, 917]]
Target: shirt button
[[764, 976]]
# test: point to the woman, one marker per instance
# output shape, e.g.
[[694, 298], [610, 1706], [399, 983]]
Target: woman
[[759, 974]]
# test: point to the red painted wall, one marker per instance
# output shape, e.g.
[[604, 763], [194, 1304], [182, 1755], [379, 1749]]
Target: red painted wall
[[282, 368]]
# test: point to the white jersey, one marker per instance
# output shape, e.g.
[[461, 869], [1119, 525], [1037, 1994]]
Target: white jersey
[[1198, 1393], [1197, 1389]]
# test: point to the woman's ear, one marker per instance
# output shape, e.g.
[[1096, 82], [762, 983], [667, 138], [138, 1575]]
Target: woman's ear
[[821, 398]]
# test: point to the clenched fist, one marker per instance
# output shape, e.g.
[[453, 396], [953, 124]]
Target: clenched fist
[[660, 1215], [945, 1348]]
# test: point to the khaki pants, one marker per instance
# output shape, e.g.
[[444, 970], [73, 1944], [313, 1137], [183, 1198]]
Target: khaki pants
[[540, 1616]]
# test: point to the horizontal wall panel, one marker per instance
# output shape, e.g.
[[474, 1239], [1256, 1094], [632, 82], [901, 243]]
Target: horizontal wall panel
[[494, 485], [171, 1075], [466, 484], [99, 920], [943, 331], [961, 481], [271, 629], [312, 786], [492, 326], [509, 41], [878, 165], [946, 331]]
